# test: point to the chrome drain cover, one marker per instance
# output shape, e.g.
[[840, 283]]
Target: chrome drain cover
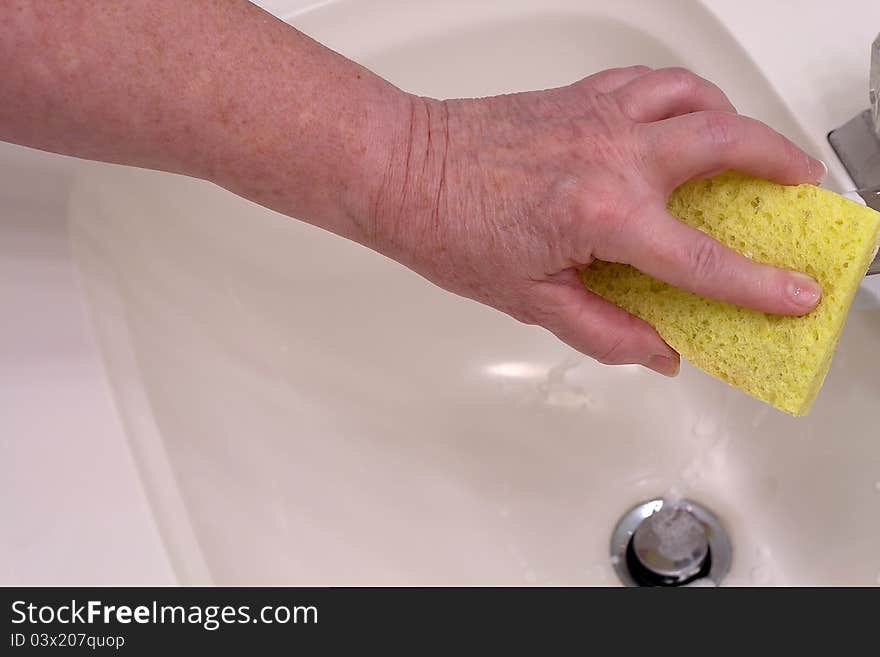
[[665, 543]]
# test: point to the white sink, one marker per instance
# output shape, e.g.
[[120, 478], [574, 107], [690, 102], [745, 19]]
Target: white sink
[[304, 411]]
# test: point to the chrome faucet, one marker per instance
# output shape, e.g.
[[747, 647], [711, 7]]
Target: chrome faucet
[[857, 144]]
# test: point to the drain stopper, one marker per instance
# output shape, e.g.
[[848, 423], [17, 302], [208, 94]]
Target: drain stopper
[[658, 543], [672, 545]]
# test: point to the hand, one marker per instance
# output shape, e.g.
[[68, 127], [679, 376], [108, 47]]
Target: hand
[[504, 199]]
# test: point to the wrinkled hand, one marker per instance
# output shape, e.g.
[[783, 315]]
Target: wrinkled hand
[[504, 199]]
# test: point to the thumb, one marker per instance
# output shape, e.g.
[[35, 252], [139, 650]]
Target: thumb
[[598, 328]]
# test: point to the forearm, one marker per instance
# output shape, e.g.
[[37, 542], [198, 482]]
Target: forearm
[[219, 90]]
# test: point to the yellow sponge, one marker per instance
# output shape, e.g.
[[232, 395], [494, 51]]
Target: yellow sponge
[[781, 360]]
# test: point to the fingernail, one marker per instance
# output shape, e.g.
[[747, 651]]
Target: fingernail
[[803, 290], [824, 171], [664, 365]]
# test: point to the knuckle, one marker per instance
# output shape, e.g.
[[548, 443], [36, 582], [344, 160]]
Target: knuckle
[[721, 131], [636, 71], [705, 259], [611, 109], [610, 354], [605, 219], [792, 156], [625, 103], [618, 350], [680, 78]]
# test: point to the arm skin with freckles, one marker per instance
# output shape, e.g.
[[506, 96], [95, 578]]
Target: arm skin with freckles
[[219, 90], [499, 199]]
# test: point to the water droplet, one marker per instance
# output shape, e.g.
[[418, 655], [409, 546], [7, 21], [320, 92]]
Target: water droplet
[[705, 426]]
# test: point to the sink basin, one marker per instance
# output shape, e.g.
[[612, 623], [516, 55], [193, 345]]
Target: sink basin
[[305, 411]]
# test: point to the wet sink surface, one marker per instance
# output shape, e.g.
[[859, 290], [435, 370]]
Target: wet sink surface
[[305, 411]]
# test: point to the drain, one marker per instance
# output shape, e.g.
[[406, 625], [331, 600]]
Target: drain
[[661, 543]]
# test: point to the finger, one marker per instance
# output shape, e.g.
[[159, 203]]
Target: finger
[[600, 329], [667, 249], [613, 78], [705, 143], [669, 92]]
